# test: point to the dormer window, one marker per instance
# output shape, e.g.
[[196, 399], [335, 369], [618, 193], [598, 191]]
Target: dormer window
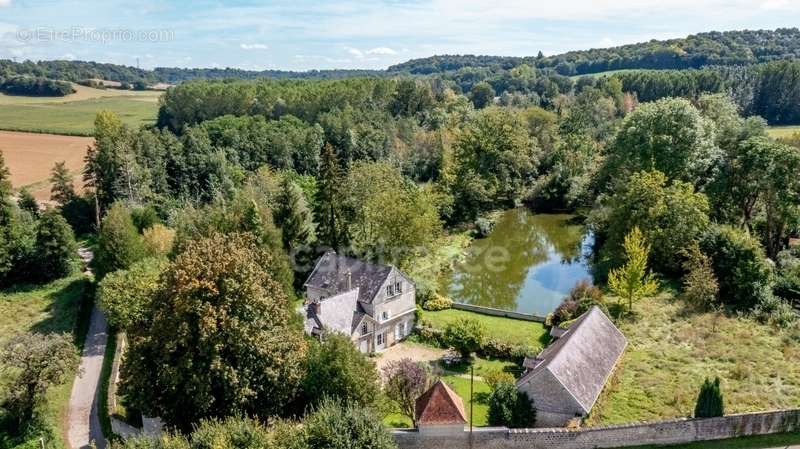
[[390, 290], [398, 287]]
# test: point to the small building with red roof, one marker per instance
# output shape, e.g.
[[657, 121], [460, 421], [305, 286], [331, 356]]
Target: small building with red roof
[[439, 411]]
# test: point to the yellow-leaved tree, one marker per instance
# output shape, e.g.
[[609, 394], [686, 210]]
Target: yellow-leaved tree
[[633, 281]]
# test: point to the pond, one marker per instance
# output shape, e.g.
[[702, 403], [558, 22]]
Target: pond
[[526, 264]]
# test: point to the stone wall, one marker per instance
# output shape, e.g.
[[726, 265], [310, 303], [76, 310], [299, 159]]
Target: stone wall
[[498, 312], [663, 432]]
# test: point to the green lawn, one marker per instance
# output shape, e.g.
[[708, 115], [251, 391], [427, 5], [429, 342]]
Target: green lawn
[[75, 117], [783, 131], [672, 349], [55, 307], [506, 330]]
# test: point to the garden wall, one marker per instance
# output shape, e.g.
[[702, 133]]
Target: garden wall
[[497, 312], [663, 432]]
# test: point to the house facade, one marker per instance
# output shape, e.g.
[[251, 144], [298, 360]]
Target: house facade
[[371, 303], [566, 378]]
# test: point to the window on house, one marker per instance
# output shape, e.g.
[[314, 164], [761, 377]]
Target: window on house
[[385, 315], [364, 329], [380, 339], [398, 287], [400, 330], [389, 290]]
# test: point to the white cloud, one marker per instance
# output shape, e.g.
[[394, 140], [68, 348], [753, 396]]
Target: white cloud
[[381, 51], [254, 46], [4, 3], [355, 52], [68, 56]]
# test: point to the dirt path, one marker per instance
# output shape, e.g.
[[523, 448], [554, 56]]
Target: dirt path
[[413, 351], [83, 420]]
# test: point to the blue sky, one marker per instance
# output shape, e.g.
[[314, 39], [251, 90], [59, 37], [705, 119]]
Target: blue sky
[[302, 34]]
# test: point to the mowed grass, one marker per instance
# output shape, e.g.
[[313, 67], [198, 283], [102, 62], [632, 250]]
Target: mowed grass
[[671, 350], [75, 117], [780, 132], [502, 329], [58, 307]]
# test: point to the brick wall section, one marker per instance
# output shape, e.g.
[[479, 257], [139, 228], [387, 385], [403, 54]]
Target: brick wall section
[[663, 432]]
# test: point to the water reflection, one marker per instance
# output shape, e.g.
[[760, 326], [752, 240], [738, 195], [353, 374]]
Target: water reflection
[[526, 264]]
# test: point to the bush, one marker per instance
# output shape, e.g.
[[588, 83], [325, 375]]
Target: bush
[[56, 250], [700, 286], [709, 402], [483, 226], [580, 299], [510, 407], [231, 433], [499, 350], [774, 310], [119, 244], [496, 377], [335, 368], [124, 295], [438, 302], [334, 425], [739, 264], [465, 336]]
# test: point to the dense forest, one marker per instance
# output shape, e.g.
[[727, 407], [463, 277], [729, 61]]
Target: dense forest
[[694, 51]]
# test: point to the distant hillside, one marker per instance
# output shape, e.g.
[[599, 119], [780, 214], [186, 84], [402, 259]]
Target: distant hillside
[[695, 51]]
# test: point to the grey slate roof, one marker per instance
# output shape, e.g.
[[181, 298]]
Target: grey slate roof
[[340, 313], [330, 273], [583, 358]]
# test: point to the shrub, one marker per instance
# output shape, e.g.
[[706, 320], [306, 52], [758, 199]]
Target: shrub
[[465, 336], [739, 264], [496, 377], [700, 286], [335, 368], [506, 351], [124, 295], [483, 226], [438, 302], [230, 433], [709, 402], [334, 425], [119, 244], [774, 310], [56, 250], [510, 407], [158, 240]]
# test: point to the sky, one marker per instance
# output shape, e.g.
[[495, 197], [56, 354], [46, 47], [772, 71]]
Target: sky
[[350, 34]]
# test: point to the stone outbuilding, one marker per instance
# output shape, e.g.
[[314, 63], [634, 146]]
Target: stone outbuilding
[[566, 378], [440, 411]]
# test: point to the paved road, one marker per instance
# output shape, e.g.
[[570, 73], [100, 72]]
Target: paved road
[[83, 419]]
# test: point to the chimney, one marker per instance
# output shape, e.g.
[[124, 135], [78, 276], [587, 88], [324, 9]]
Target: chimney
[[349, 281]]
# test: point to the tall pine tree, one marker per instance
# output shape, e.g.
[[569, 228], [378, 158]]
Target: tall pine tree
[[62, 189], [709, 402], [293, 216], [332, 229]]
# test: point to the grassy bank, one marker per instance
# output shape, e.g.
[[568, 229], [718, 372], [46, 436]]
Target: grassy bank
[[783, 131], [672, 349], [59, 307]]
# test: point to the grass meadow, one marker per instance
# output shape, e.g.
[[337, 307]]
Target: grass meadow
[[672, 349], [61, 307]]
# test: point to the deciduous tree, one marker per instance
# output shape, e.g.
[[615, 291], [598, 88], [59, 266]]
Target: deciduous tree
[[633, 281], [220, 338], [404, 382]]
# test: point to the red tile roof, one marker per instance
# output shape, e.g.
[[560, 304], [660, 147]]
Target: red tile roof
[[440, 405]]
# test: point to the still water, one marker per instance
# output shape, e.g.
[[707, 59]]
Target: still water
[[526, 264]]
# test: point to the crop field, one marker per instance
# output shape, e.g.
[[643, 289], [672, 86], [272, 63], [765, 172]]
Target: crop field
[[82, 93], [783, 131], [75, 113], [30, 157]]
